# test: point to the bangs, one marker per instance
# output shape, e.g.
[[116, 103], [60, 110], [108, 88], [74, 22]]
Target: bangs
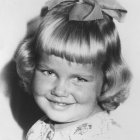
[[75, 41]]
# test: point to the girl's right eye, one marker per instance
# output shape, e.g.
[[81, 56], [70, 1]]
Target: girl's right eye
[[48, 72]]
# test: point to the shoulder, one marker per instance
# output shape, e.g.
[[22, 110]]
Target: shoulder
[[100, 127], [39, 130], [110, 129]]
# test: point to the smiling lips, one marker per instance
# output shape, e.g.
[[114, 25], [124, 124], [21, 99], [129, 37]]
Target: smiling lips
[[60, 103]]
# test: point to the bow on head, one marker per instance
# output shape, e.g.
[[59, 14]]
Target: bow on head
[[87, 10]]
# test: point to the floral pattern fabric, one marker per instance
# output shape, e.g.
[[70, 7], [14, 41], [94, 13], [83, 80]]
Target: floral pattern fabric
[[97, 127]]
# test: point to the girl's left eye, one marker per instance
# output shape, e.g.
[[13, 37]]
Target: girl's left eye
[[80, 79]]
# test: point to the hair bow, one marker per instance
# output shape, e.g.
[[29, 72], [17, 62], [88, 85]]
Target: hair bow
[[87, 10]]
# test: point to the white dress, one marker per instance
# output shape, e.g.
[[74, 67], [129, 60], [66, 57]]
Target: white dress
[[98, 127]]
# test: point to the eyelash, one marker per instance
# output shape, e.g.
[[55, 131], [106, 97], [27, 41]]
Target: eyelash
[[49, 72], [80, 79]]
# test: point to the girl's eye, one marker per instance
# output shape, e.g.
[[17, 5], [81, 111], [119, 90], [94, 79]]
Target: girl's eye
[[48, 72], [80, 79]]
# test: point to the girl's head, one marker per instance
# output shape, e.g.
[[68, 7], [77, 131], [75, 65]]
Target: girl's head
[[83, 56]]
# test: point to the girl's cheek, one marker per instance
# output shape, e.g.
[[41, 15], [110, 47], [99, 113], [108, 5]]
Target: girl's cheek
[[76, 90], [84, 93], [42, 86]]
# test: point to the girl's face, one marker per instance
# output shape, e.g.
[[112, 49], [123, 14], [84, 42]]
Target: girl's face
[[66, 91]]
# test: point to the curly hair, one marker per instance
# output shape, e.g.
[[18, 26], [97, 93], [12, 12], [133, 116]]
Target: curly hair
[[95, 42]]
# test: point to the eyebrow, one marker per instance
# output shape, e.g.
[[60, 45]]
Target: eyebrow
[[43, 66]]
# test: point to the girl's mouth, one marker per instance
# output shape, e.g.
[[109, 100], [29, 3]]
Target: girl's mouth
[[59, 105]]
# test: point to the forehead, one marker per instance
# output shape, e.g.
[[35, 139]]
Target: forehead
[[61, 64]]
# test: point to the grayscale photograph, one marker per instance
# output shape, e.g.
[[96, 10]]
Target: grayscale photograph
[[69, 70]]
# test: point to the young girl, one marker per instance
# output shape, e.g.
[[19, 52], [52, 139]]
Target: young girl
[[71, 62]]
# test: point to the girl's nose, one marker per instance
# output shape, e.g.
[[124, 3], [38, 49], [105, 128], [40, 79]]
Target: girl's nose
[[60, 89]]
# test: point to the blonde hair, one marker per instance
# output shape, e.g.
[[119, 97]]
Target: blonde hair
[[95, 42]]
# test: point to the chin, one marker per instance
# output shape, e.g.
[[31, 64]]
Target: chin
[[59, 118]]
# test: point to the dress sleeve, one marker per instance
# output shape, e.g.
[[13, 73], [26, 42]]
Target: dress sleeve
[[40, 131]]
